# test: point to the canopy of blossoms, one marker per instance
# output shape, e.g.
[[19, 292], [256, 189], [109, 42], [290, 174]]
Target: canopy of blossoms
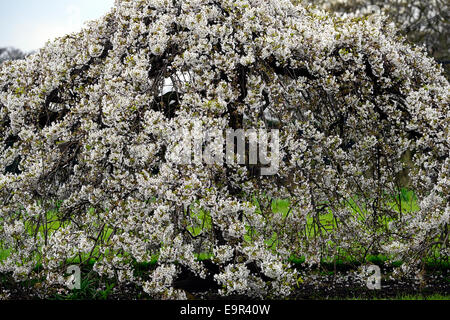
[[422, 22], [91, 126]]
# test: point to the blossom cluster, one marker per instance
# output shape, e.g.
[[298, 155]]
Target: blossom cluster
[[422, 22]]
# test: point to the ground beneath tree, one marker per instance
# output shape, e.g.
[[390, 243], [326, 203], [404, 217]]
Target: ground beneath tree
[[315, 287]]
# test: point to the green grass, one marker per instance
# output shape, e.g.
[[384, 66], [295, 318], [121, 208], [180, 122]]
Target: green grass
[[421, 297], [405, 297], [4, 253], [199, 220]]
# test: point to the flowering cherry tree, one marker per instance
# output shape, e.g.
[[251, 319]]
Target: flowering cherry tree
[[422, 22], [91, 125]]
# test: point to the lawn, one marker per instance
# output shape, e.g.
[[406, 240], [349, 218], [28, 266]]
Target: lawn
[[95, 288]]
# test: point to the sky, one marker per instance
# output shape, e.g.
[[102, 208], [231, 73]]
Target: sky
[[29, 24]]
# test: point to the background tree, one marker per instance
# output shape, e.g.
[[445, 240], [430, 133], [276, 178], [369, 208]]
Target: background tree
[[11, 54]]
